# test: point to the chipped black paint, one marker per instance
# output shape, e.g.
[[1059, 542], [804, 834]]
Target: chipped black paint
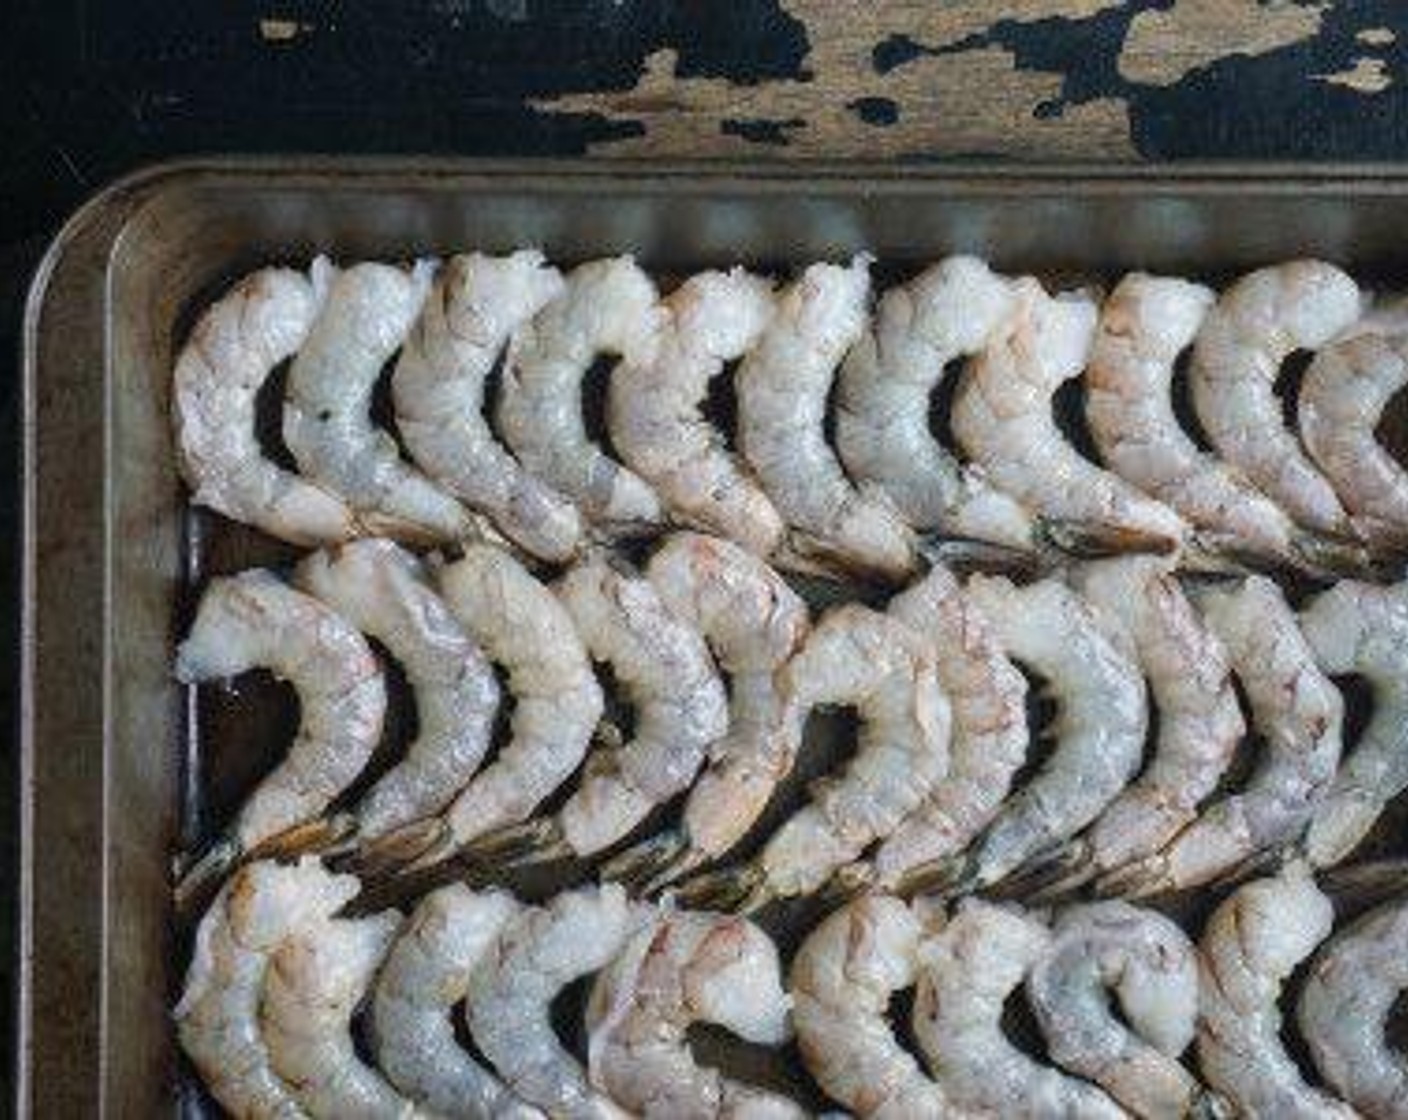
[[879, 111], [760, 130]]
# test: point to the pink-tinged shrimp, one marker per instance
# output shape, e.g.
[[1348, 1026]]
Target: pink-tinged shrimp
[[1237, 357]]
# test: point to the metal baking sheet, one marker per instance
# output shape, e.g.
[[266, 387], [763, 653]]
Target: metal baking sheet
[[120, 769]]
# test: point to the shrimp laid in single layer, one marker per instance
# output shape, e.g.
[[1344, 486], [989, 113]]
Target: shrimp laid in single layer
[[1250, 331], [255, 620], [217, 1018], [327, 421], [685, 968], [842, 981], [948, 312], [878, 664], [966, 973], [1295, 710], [427, 972], [607, 306], [438, 389], [754, 622], [1360, 628], [1353, 985], [653, 409], [383, 591], [1002, 416], [1151, 968], [538, 953], [230, 354], [1252, 943], [783, 386]]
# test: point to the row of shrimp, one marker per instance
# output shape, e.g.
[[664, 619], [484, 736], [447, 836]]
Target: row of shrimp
[[1328, 499]]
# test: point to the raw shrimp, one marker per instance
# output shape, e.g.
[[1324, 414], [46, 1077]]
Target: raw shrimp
[[1295, 710], [235, 346], [315, 981], [842, 981], [1359, 628], [1252, 943], [754, 623], [327, 423], [782, 390], [1344, 1008], [538, 953], [653, 409], [686, 968], [1002, 416], [255, 620], [966, 973], [427, 972], [1151, 969], [438, 390], [878, 664], [607, 306], [948, 312], [217, 1017], [382, 590], [1237, 357]]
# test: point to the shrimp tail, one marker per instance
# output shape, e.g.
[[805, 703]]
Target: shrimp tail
[[1205, 1104], [406, 886], [323, 836], [647, 867], [1052, 875], [1366, 883], [197, 878], [950, 877], [966, 554], [741, 890], [1090, 540], [378, 856], [1339, 558], [846, 884], [534, 841]]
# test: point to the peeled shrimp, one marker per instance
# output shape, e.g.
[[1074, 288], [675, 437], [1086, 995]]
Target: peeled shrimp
[[607, 306], [1344, 1008], [438, 389], [427, 972], [966, 973], [1298, 713], [383, 591], [782, 391], [948, 312], [1152, 970], [1252, 943], [753, 622], [327, 424], [1002, 416], [686, 968], [1252, 328], [217, 1018], [538, 953], [653, 409], [1359, 628], [842, 981], [233, 349]]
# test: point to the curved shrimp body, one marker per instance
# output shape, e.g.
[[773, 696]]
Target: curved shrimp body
[[438, 389], [1237, 357], [521, 625], [686, 967], [948, 312], [1345, 1006], [653, 408], [1295, 710], [426, 973], [1100, 724], [230, 354], [607, 306], [382, 590], [842, 980], [1360, 628], [1151, 968], [680, 702], [1002, 416], [255, 620], [782, 391], [966, 974], [990, 737], [1251, 944], [538, 953], [327, 422], [217, 1017]]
